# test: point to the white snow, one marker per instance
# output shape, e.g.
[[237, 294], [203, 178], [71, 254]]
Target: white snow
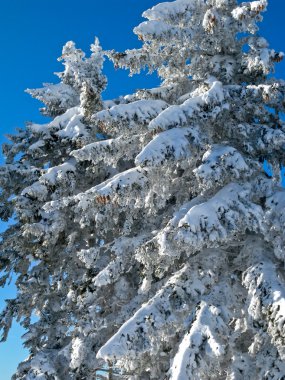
[[168, 10], [175, 116], [267, 300], [219, 163], [169, 145], [137, 336], [57, 172], [205, 331], [227, 213], [138, 112]]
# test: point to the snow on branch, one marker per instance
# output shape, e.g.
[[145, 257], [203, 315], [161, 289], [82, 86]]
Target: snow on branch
[[178, 116], [219, 163], [57, 97], [159, 30], [249, 9], [97, 203], [206, 337], [48, 232], [42, 365], [89, 256], [36, 191], [247, 13], [271, 94], [267, 300], [222, 217], [133, 116], [259, 139], [118, 186], [172, 145], [67, 126], [109, 151], [58, 173], [274, 229], [168, 11], [22, 172], [74, 128], [171, 304], [167, 92], [123, 250], [260, 58]]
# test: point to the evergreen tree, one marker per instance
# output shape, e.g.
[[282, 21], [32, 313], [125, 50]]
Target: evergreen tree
[[39, 169], [148, 236]]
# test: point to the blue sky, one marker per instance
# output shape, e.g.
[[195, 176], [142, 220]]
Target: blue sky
[[32, 33]]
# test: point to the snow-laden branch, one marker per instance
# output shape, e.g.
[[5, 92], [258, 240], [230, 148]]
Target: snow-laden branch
[[175, 116], [267, 300], [218, 220], [172, 145], [133, 116], [219, 163], [274, 229], [109, 151], [115, 188], [207, 334], [136, 337]]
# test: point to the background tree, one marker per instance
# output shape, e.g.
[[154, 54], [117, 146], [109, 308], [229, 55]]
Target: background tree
[[39, 169], [81, 81], [163, 252]]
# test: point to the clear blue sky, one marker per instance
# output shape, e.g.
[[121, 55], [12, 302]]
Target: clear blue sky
[[32, 33]]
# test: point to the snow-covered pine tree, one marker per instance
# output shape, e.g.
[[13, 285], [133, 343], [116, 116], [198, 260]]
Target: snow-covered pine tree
[[164, 256]]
